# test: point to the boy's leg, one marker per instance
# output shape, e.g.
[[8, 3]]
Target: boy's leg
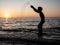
[[40, 30]]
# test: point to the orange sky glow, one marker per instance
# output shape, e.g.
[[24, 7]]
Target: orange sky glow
[[21, 8]]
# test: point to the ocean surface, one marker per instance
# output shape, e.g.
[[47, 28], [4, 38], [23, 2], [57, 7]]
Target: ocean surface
[[29, 23]]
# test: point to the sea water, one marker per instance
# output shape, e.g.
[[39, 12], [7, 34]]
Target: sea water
[[28, 23]]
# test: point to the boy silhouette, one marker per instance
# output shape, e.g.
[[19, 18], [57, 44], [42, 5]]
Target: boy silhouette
[[40, 25]]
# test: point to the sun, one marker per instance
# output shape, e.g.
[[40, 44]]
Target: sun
[[6, 15]]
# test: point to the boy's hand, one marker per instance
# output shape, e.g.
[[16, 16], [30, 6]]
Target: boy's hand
[[31, 6]]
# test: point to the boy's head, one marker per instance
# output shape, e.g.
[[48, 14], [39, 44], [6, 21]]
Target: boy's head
[[40, 9]]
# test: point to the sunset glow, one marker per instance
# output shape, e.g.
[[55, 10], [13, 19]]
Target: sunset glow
[[21, 8], [6, 15]]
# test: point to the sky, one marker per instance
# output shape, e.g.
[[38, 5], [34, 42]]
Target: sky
[[21, 8]]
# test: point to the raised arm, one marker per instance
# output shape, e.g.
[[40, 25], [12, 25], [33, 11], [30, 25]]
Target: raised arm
[[34, 8]]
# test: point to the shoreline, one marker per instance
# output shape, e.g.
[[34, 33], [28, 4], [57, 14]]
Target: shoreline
[[21, 40], [27, 37]]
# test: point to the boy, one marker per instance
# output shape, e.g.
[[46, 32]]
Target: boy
[[39, 10]]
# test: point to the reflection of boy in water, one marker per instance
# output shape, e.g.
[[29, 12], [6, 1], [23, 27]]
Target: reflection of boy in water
[[39, 10]]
